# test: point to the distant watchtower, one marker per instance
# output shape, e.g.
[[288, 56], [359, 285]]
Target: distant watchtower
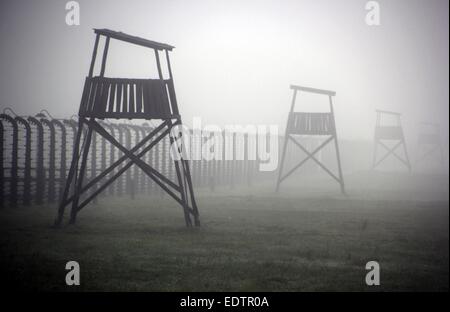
[[311, 124], [119, 98], [391, 133]]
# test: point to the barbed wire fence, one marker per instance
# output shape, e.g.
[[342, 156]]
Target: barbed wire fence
[[36, 151]]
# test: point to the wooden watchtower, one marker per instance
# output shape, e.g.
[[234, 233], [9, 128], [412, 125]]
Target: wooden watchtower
[[119, 98], [429, 143], [389, 133], [311, 124]]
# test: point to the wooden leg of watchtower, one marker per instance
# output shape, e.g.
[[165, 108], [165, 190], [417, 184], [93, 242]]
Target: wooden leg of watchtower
[[79, 185], [283, 156], [183, 192], [341, 177], [71, 176], [180, 178], [286, 138], [191, 191], [406, 156], [336, 144], [375, 148]]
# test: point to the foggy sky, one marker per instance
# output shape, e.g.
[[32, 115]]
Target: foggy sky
[[234, 60]]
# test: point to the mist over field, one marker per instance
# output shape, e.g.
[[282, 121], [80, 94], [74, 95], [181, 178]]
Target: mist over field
[[297, 226], [239, 58]]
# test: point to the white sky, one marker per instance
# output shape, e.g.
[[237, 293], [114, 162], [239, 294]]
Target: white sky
[[234, 60]]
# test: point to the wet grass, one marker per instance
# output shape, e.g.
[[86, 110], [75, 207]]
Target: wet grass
[[250, 240]]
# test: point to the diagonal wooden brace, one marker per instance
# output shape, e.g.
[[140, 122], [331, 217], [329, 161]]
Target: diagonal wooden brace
[[309, 155], [120, 160], [139, 162], [391, 151], [128, 165]]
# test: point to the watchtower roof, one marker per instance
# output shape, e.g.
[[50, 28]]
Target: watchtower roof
[[133, 39], [313, 90], [387, 112]]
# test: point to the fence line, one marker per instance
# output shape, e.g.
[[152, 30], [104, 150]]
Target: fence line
[[36, 152]]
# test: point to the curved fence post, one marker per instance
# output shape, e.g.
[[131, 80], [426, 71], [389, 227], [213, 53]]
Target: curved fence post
[[40, 171], [51, 187], [93, 152], [27, 162], [2, 180], [73, 125], [63, 159], [13, 179], [33, 159]]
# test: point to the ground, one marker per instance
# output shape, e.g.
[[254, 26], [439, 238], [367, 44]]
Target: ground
[[251, 239]]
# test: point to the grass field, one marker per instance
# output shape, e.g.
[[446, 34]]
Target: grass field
[[305, 238]]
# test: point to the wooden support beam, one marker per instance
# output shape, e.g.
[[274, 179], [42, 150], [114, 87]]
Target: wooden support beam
[[94, 55], [308, 153], [105, 55], [122, 159]]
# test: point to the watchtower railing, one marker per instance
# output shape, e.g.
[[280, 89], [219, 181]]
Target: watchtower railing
[[301, 123], [35, 158], [128, 98]]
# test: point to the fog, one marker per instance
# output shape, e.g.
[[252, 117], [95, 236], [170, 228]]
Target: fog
[[234, 60], [309, 209]]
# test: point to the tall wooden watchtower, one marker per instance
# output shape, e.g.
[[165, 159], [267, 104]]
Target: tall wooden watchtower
[[311, 124], [119, 98], [392, 132]]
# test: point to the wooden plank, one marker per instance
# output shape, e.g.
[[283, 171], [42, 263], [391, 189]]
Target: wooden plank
[[119, 98], [173, 98], [85, 95], [94, 55], [133, 39], [163, 99], [158, 65], [105, 55], [139, 97], [131, 107], [167, 94], [112, 94], [313, 90], [104, 98], [148, 109], [125, 98], [91, 95], [154, 98], [98, 93]]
